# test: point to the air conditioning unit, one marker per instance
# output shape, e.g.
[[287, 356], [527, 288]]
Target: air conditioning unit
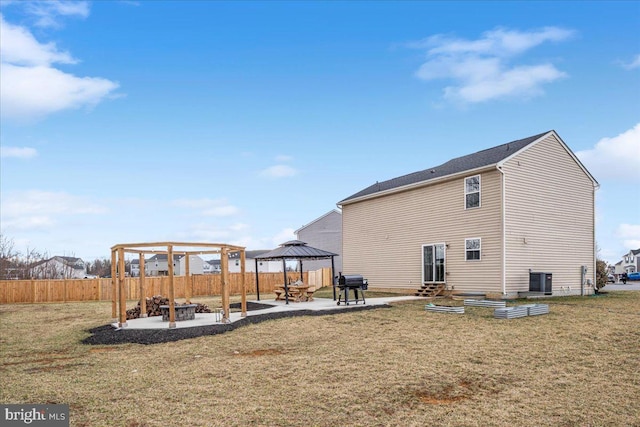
[[540, 282]]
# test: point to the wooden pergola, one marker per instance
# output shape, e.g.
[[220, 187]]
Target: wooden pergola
[[118, 295]]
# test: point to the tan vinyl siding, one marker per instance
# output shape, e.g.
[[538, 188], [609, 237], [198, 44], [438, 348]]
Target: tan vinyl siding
[[383, 237], [549, 217]]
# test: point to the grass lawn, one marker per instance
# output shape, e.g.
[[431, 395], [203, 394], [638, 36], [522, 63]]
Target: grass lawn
[[401, 366]]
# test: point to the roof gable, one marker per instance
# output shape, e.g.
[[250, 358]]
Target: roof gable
[[480, 159], [331, 212]]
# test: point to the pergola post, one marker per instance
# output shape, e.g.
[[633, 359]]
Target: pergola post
[[257, 280], [187, 278], [243, 300], [172, 290], [143, 287], [114, 288], [224, 266], [123, 296]]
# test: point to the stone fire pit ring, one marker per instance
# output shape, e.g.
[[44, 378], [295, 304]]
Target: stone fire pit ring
[[183, 312]]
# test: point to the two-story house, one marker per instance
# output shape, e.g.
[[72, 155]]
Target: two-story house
[[59, 267], [485, 222], [250, 262], [212, 266], [323, 233], [630, 262], [157, 265]]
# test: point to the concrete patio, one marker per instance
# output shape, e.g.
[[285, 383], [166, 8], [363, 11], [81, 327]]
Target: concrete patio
[[318, 304]]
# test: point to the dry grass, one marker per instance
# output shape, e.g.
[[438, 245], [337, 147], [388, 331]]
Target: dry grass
[[577, 366]]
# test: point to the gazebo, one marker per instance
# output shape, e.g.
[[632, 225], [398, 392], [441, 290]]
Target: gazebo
[[293, 250], [170, 249]]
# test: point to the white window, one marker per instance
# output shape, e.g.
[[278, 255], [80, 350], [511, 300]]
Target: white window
[[472, 192], [472, 249]]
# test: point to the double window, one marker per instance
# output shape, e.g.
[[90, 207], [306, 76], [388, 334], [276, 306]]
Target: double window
[[472, 192], [472, 249]]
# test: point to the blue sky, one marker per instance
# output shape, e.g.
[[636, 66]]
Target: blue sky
[[239, 122]]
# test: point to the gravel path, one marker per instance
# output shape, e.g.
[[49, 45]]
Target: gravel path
[[108, 335]]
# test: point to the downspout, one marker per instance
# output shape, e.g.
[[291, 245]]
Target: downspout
[[595, 245], [504, 232]]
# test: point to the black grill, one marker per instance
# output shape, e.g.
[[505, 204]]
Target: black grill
[[355, 283]]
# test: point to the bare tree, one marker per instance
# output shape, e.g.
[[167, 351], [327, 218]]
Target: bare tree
[[8, 258], [100, 267]]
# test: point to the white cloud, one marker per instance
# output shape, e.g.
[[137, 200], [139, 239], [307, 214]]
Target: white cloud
[[615, 158], [283, 236], [283, 158], [279, 171], [630, 235], [208, 207], [239, 226], [20, 47], [482, 69], [31, 87], [37, 209], [47, 12], [18, 152], [635, 63]]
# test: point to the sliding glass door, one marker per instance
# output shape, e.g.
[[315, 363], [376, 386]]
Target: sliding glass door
[[433, 263]]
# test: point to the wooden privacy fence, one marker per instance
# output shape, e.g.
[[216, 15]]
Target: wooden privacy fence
[[63, 290]]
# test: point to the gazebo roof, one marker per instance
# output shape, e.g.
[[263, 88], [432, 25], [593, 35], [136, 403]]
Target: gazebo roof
[[295, 249]]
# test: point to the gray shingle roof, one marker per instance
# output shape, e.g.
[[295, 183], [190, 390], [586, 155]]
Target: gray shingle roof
[[480, 159], [295, 249]]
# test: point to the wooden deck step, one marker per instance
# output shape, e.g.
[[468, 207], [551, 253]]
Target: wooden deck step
[[430, 290]]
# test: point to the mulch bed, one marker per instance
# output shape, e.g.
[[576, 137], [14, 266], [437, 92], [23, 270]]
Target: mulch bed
[[108, 335]]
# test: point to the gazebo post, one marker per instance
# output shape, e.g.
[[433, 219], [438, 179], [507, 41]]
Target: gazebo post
[[286, 287], [114, 288], [123, 297], [143, 287], [243, 300], [301, 276], [172, 290], [333, 279]]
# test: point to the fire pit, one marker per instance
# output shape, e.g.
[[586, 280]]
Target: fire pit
[[183, 312]]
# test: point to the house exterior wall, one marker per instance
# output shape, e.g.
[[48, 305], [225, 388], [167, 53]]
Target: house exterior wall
[[549, 217], [195, 265], [324, 233], [57, 268], [383, 236], [250, 266], [160, 267]]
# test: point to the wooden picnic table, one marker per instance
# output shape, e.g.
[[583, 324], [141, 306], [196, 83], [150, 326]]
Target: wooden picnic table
[[297, 293]]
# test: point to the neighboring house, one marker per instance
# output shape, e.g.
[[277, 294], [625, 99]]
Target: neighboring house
[[250, 262], [478, 223], [59, 267], [134, 268], [211, 266], [630, 262], [157, 265], [618, 268], [323, 233]]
